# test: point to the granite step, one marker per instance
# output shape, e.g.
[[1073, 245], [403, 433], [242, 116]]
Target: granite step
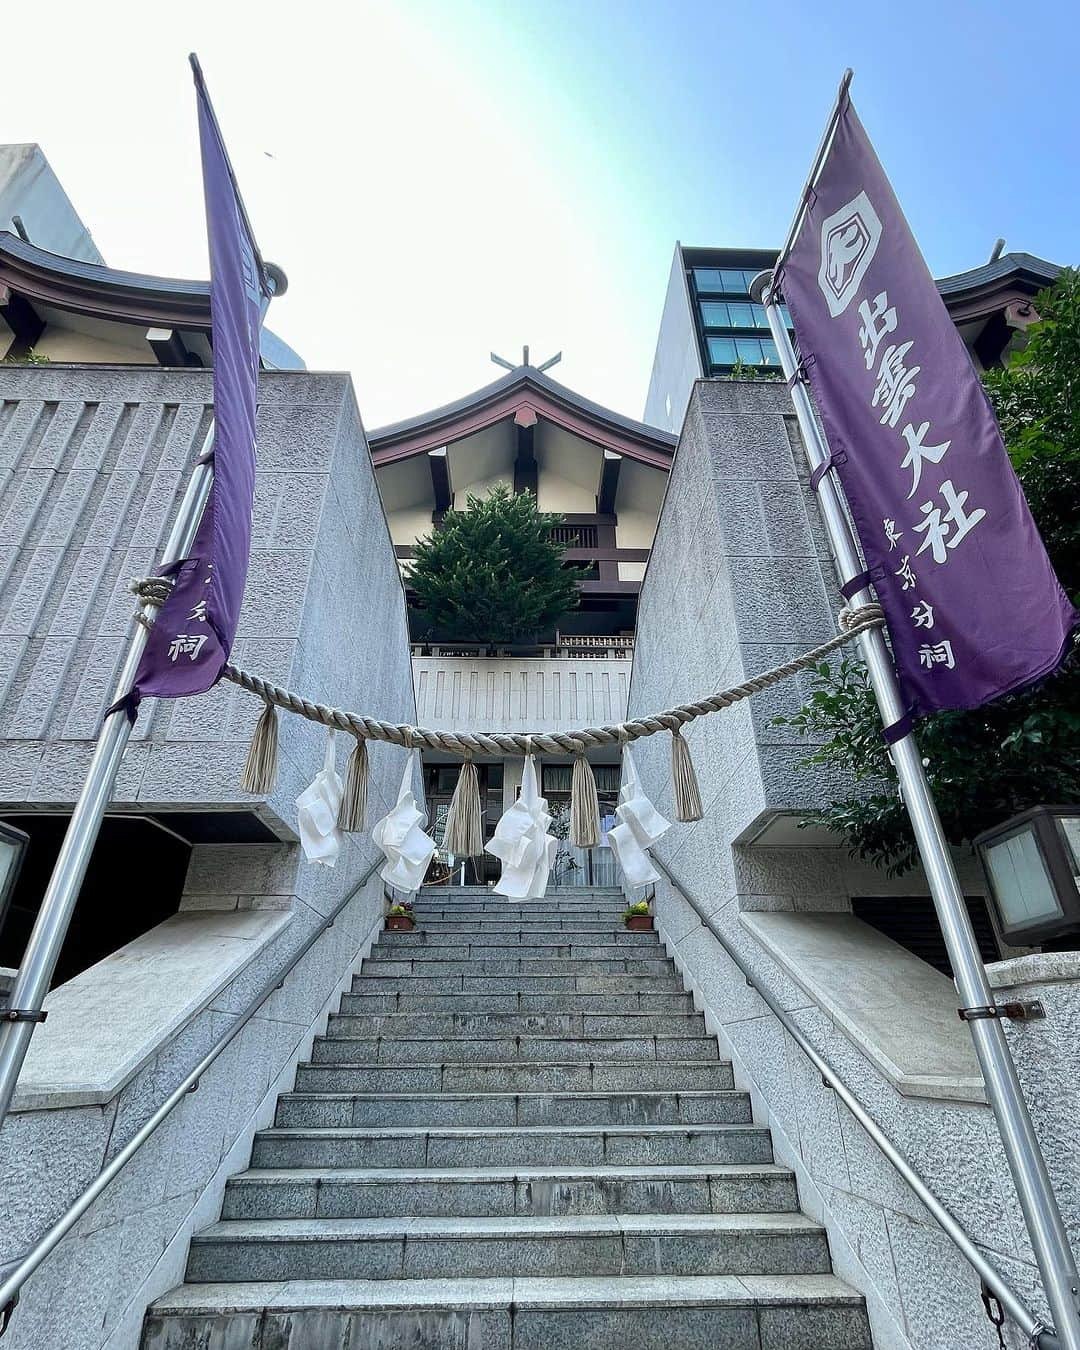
[[523, 1145], [460, 1002], [456, 1248], [577, 935], [523, 962], [377, 981], [516, 1049], [672, 1075], [492, 1192], [681, 1312], [383, 1110], [579, 1025]]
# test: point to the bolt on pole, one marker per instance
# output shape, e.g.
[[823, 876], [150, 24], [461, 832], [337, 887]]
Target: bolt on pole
[[1003, 1092]]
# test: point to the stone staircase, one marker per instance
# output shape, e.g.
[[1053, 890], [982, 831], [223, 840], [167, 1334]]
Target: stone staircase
[[515, 1135]]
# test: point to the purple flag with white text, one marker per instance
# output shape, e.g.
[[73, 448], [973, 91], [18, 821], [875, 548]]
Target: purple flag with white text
[[191, 640], [973, 607]]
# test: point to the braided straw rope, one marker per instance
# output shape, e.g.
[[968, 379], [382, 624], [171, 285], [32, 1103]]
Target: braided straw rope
[[852, 623]]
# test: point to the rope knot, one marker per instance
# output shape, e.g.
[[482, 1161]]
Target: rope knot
[[863, 616]]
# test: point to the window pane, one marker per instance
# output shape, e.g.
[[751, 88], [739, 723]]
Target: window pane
[[749, 276], [742, 316], [714, 313], [760, 321], [787, 316], [556, 777], [707, 279], [722, 351], [732, 281], [769, 355], [749, 350], [1022, 885], [607, 777]]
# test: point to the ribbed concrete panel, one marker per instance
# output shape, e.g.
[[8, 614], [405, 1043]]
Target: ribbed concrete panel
[[93, 460]]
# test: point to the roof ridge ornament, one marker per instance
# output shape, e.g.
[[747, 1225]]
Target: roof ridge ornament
[[509, 365]]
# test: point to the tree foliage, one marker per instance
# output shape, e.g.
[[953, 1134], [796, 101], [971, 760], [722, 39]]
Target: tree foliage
[[1023, 749], [491, 573]]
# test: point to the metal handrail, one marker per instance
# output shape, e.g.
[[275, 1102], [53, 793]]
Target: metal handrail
[[13, 1282], [1033, 1327]]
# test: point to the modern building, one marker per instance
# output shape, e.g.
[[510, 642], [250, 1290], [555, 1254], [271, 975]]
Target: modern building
[[709, 325]]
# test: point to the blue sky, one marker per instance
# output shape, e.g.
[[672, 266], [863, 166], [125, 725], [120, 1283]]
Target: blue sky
[[440, 179]]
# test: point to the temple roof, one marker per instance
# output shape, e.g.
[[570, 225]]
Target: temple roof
[[523, 395]]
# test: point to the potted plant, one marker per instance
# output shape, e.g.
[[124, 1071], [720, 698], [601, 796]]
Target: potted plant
[[400, 917], [637, 917]]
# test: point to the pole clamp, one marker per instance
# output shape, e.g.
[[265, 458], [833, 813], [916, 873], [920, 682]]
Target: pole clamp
[[1020, 1010], [23, 1015]]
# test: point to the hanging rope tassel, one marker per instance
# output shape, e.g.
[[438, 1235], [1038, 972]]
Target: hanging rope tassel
[[684, 780], [464, 820], [260, 771], [353, 806], [584, 806]]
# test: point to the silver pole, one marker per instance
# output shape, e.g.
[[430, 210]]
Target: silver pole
[[1003, 1092], [51, 926]]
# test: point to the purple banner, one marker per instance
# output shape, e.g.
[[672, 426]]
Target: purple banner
[[191, 640], [972, 604]]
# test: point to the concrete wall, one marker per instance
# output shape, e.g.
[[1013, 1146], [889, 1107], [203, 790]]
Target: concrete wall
[[30, 189], [677, 360], [93, 461], [738, 580]]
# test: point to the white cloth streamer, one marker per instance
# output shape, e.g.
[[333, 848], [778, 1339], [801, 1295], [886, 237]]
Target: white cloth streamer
[[317, 812], [401, 838], [522, 844], [641, 825]]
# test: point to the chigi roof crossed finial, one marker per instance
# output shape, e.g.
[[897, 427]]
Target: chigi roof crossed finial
[[509, 365]]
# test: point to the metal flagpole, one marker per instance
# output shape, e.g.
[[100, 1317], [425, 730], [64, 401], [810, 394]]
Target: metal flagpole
[[23, 1013], [1003, 1092]]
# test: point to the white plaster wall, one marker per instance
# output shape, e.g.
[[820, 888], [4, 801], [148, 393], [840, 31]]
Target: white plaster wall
[[677, 361], [738, 580], [519, 693], [66, 344], [93, 462]]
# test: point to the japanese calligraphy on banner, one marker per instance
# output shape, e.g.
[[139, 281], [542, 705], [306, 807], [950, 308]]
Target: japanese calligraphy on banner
[[190, 642], [972, 604]]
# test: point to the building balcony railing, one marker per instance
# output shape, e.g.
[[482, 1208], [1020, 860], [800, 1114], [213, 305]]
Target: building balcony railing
[[569, 645]]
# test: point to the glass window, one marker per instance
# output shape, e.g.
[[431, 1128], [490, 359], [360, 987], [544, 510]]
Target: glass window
[[749, 350], [555, 777], [722, 351], [707, 279], [733, 280], [714, 313], [769, 355], [608, 777], [742, 316], [1022, 885], [787, 316], [760, 321]]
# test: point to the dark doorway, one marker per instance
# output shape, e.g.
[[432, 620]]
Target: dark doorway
[[439, 783], [135, 880], [911, 920]]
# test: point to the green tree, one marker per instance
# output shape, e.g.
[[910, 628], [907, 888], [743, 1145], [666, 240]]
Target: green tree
[[491, 573], [995, 761]]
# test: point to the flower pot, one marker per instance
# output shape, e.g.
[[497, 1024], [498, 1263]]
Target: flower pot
[[639, 923], [400, 922]]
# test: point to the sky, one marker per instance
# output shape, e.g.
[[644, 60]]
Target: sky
[[444, 179]]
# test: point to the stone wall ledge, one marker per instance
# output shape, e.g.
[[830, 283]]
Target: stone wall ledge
[[1035, 968], [113, 1018], [899, 1011]]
